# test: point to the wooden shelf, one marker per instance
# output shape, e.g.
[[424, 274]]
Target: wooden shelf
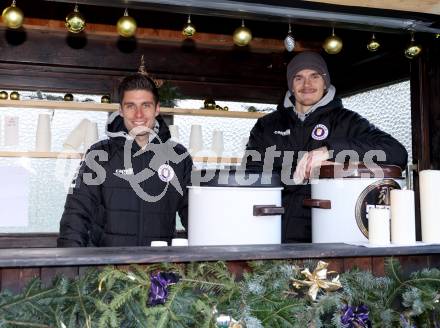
[[219, 160], [67, 105], [212, 113], [71, 155], [99, 107], [38, 154]]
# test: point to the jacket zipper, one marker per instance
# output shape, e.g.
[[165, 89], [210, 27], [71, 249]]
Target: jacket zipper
[[140, 241]]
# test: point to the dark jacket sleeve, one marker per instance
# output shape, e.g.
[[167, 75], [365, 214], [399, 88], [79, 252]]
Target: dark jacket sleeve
[[256, 143], [186, 181], [82, 205], [363, 137]]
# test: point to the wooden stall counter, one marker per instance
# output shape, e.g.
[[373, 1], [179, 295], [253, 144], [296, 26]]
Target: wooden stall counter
[[19, 265]]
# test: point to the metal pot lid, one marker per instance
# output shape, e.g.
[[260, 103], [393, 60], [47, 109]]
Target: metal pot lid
[[359, 170], [234, 177]]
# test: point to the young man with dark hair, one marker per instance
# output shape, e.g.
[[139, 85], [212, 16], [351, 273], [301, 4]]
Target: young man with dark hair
[[130, 186]]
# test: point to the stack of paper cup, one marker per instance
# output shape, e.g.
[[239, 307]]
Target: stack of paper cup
[[159, 243], [379, 226], [430, 205], [195, 139], [76, 137], [11, 131], [179, 242], [91, 135], [174, 131], [43, 136], [217, 142], [403, 224]]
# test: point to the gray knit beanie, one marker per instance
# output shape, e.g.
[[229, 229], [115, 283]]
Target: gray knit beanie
[[307, 60]]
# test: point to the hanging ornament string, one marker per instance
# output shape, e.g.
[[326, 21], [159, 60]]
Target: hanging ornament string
[[289, 41], [413, 49], [189, 29], [142, 70], [242, 35], [75, 22], [126, 25], [13, 16], [333, 44], [373, 45]]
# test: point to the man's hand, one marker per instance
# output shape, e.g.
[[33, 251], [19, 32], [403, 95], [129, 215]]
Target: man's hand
[[308, 162]]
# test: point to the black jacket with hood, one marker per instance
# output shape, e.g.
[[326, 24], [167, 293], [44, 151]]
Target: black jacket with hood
[[346, 130], [112, 211]]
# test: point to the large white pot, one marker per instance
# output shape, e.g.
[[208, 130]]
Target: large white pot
[[340, 205], [229, 214]]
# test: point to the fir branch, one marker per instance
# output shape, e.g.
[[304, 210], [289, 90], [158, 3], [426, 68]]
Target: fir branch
[[26, 299], [26, 324]]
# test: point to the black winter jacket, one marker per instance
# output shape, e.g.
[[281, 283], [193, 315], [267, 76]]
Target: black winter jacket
[[110, 211], [340, 129]]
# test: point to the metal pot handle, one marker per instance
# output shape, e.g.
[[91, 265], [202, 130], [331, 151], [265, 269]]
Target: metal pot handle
[[266, 210], [318, 203]]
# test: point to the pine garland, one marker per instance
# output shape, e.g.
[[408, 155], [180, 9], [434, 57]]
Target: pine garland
[[263, 297]]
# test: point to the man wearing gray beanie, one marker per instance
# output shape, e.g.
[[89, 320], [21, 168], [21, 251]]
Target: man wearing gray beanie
[[310, 128]]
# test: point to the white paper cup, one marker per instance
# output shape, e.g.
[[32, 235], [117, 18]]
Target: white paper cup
[[379, 226], [217, 142], [43, 135], [76, 137], [195, 139], [159, 243], [179, 242], [11, 130], [91, 135], [174, 131]]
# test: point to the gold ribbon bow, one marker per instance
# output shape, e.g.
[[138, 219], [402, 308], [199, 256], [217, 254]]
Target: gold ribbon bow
[[317, 280]]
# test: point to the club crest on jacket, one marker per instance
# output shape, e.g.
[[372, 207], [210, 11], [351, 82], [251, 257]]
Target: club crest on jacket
[[320, 132], [165, 172]]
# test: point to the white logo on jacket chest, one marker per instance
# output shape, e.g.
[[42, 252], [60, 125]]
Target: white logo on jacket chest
[[125, 172], [166, 173], [320, 132], [283, 133]]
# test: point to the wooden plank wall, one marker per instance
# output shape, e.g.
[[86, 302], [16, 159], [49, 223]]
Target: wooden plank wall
[[15, 279]]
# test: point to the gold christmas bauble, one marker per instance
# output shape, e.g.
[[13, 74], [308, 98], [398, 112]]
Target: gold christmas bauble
[[126, 26], [3, 95], [242, 36], [105, 99], [75, 22], [413, 50], [68, 97], [332, 45], [373, 45], [189, 30], [13, 16], [14, 95]]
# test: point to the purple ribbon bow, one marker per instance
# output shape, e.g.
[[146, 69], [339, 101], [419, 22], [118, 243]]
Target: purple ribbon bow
[[355, 317], [159, 287]]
